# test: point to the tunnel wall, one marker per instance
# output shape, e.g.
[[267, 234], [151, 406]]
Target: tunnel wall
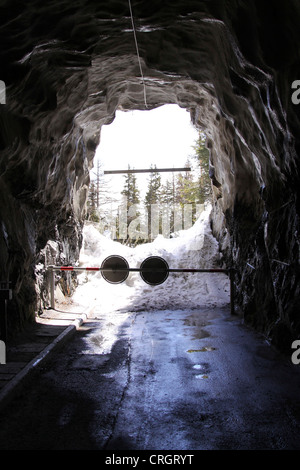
[[68, 66]]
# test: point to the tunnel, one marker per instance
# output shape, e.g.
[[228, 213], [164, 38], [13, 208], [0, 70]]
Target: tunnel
[[67, 67]]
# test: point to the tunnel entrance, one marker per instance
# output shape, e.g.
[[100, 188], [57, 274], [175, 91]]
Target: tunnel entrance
[[164, 182], [173, 201]]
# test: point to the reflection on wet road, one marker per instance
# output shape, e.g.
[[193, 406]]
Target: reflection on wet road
[[182, 379]]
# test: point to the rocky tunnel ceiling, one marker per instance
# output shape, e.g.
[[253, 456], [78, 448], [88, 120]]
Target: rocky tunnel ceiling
[[68, 66]]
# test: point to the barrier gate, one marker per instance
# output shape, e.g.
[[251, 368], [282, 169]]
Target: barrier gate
[[154, 270]]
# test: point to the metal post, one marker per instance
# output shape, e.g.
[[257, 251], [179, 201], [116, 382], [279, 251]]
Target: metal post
[[3, 319], [5, 295], [232, 291], [52, 286], [147, 170]]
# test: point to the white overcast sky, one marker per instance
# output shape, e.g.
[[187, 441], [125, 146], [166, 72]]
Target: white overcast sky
[[163, 137]]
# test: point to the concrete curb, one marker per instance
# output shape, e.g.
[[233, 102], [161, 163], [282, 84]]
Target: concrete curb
[[9, 390]]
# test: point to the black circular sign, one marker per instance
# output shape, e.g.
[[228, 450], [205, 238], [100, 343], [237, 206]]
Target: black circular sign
[[117, 269], [154, 270]]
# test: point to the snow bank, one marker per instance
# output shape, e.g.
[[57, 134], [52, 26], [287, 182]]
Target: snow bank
[[193, 248]]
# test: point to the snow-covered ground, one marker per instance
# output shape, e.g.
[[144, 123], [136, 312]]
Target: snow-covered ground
[[193, 248]]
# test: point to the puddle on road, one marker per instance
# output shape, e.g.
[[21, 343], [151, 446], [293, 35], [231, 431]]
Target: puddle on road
[[205, 348], [196, 323], [199, 367], [200, 334], [200, 318]]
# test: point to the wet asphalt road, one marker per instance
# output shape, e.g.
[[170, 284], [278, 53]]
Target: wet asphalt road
[[163, 380]]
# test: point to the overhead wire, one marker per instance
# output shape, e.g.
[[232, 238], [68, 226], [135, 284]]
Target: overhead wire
[[138, 54]]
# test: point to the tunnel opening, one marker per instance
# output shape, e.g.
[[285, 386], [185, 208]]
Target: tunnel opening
[[148, 162], [179, 220], [63, 83]]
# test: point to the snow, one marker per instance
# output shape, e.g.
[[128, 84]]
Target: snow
[[192, 248]]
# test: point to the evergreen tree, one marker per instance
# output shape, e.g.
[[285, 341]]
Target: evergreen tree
[[185, 187], [132, 195], [130, 190], [154, 184], [100, 201], [92, 213], [167, 201], [202, 158], [152, 198], [167, 193]]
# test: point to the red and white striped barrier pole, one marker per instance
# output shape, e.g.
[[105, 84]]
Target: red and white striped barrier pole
[[52, 270], [175, 270]]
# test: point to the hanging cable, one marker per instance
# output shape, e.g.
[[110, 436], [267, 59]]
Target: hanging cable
[[138, 55]]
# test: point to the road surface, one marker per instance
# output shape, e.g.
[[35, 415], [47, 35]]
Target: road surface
[[164, 380]]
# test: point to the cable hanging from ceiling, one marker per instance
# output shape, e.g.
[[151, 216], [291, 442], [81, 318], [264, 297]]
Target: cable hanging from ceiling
[[138, 54]]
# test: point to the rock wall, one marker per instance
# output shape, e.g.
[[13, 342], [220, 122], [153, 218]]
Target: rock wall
[[68, 66]]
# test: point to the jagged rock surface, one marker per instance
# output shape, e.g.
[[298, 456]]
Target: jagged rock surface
[[69, 65]]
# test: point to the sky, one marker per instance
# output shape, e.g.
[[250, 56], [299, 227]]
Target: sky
[[163, 137]]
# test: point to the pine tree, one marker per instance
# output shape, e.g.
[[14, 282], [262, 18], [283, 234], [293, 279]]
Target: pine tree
[[202, 158], [152, 198], [154, 184], [92, 213], [167, 201], [185, 187], [130, 190], [132, 195], [100, 201], [167, 194]]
